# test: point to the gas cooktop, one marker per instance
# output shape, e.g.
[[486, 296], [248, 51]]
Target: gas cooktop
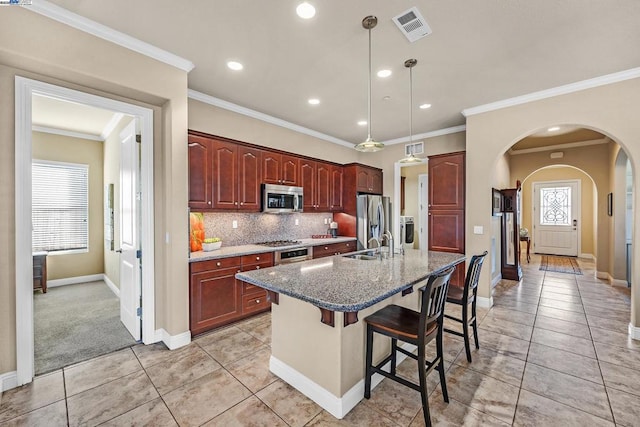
[[278, 243]]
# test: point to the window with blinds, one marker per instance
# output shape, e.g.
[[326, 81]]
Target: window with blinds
[[60, 206]]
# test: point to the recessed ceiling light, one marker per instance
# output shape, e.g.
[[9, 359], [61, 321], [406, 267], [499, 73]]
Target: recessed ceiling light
[[305, 10], [384, 73], [553, 128], [235, 66], [362, 123], [425, 106], [314, 101]]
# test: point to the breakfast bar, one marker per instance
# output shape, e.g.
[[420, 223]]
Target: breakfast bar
[[318, 341]]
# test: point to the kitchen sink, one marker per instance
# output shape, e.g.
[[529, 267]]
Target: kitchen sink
[[365, 256]]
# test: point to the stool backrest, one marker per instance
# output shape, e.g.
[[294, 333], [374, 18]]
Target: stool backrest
[[473, 276], [434, 295]]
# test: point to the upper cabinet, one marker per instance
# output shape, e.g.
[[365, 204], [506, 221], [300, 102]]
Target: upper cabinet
[[223, 175], [280, 169], [337, 186], [316, 180], [200, 169], [362, 179]]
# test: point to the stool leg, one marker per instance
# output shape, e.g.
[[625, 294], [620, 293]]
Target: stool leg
[[465, 331], [475, 325], [443, 381], [422, 373], [369, 357], [394, 355]]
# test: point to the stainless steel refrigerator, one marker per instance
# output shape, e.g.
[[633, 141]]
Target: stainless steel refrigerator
[[374, 218]]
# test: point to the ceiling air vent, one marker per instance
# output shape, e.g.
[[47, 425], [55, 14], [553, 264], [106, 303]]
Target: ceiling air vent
[[412, 24], [415, 148]]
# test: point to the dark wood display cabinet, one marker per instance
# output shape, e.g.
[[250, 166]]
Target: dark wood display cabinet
[[510, 260], [447, 207], [216, 298]]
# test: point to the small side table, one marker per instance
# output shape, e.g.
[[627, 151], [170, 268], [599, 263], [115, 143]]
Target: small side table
[[40, 271], [528, 240]]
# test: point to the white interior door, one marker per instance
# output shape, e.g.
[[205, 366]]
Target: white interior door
[[423, 211], [556, 213], [130, 285]]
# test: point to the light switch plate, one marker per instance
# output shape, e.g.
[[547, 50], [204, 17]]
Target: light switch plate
[[234, 224], [478, 229], [297, 221]]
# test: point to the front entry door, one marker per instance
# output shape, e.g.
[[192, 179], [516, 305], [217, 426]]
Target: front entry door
[[556, 211], [130, 285]]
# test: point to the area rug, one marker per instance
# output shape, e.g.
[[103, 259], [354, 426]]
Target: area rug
[[75, 323], [560, 264]]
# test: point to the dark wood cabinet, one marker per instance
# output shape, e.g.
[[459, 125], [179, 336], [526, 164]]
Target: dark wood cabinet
[[223, 175], [316, 180], [367, 179], [336, 190], [357, 178], [447, 207], [216, 298], [510, 260], [281, 169], [200, 169], [321, 251]]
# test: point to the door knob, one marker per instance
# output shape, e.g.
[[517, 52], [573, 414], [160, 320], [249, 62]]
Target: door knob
[[119, 250]]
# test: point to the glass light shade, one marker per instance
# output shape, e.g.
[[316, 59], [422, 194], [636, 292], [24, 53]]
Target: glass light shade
[[369, 146], [410, 159]]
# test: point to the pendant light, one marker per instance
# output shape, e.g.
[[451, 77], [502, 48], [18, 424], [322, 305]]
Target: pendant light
[[410, 63], [369, 146]]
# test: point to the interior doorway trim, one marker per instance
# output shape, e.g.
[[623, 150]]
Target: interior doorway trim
[[24, 90], [397, 166]]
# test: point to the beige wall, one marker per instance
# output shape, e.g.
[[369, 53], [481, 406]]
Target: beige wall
[[80, 61], [87, 152], [610, 109], [587, 195], [112, 176]]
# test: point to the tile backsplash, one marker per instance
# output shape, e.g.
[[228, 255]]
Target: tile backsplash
[[260, 227]]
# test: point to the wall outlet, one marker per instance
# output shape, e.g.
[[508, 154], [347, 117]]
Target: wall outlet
[[478, 229], [297, 221], [325, 221], [234, 224]]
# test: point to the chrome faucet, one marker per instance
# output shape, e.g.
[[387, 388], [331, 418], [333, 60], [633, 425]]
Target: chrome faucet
[[376, 240], [387, 234]]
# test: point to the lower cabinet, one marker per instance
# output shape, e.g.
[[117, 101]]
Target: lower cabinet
[[321, 251], [216, 298]]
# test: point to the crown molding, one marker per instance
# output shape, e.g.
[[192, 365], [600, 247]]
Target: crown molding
[[111, 125], [63, 132], [559, 146], [556, 91], [217, 102], [432, 134], [81, 23]]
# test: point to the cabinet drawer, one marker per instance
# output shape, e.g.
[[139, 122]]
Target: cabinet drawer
[[266, 257], [255, 302], [257, 266], [333, 249], [215, 264], [249, 289]]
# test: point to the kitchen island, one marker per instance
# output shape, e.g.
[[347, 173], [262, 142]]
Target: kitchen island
[[318, 341]]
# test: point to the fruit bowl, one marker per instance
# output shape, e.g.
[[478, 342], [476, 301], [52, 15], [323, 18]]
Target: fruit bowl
[[211, 246]]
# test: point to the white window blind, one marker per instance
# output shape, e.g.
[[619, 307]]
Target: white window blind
[[60, 206]]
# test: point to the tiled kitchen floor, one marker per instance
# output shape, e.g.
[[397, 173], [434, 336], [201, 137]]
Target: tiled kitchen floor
[[554, 351]]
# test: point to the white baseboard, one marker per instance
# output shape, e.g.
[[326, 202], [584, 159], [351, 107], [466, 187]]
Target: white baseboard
[[587, 256], [8, 381], [602, 275], [111, 285], [74, 280], [485, 302], [496, 280], [619, 283], [173, 341], [634, 332], [336, 406]]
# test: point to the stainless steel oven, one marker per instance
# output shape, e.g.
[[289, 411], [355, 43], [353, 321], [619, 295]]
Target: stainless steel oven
[[288, 256]]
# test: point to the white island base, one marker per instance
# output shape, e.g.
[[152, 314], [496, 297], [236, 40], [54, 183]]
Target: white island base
[[326, 363]]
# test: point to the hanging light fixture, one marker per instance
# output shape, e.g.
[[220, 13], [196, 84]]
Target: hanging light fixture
[[369, 146], [411, 158]]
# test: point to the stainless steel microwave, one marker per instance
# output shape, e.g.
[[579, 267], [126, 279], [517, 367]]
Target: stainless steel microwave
[[281, 198]]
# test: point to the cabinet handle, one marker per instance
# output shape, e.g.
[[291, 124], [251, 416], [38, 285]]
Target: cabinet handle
[[257, 267], [218, 264], [241, 203], [257, 301], [326, 247], [238, 271], [257, 258], [209, 202], [235, 203]]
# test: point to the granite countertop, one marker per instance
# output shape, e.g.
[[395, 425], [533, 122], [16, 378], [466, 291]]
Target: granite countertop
[[229, 251], [343, 284]]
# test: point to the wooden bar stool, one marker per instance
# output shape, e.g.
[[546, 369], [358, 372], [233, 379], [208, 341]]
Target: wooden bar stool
[[417, 328], [464, 297]]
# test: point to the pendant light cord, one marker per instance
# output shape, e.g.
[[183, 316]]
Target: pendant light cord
[[369, 98], [411, 107]]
